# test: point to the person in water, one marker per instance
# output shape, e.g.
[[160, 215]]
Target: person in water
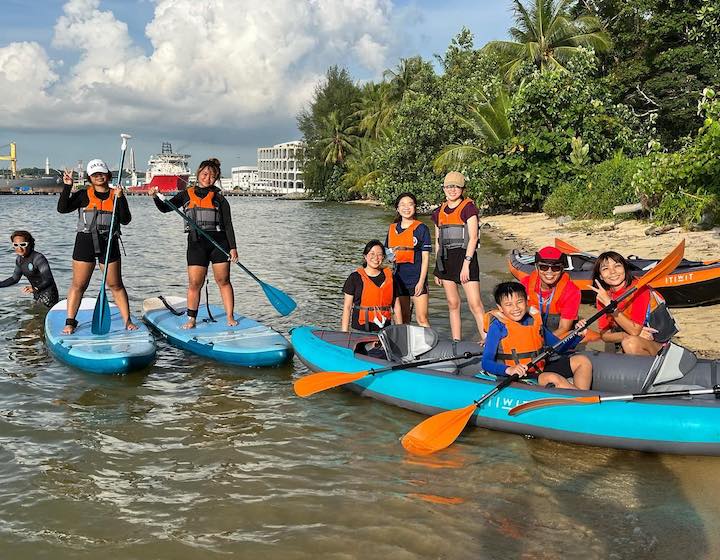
[[210, 210], [640, 325], [456, 241], [552, 292], [94, 206], [35, 267], [515, 335], [408, 240], [369, 293]]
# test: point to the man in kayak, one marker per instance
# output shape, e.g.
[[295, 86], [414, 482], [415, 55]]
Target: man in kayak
[[515, 335], [551, 291], [35, 267]]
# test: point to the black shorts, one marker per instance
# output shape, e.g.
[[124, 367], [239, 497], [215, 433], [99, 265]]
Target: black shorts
[[453, 266], [408, 289], [559, 365], [84, 250], [202, 252]]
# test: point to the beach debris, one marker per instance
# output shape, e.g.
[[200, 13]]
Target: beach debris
[[627, 208], [659, 230], [562, 220]]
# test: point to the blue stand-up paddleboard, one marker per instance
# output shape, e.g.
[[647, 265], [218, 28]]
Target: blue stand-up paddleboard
[[119, 351], [249, 343]]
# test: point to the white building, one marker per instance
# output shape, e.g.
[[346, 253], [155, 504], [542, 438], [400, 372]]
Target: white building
[[244, 177], [280, 167]]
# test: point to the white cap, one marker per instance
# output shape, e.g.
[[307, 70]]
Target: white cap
[[97, 166]]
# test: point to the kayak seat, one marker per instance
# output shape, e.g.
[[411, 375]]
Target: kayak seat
[[672, 363]]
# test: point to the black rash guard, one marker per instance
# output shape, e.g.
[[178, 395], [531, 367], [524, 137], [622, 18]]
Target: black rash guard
[[182, 198], [70, 201], [36, 269]]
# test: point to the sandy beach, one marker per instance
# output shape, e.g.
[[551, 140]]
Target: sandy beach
[[698, 325]]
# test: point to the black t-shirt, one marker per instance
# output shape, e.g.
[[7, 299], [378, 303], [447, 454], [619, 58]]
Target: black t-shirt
[[353, 287]]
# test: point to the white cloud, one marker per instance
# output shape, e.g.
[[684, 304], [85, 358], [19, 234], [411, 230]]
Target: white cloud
[[211, 62]]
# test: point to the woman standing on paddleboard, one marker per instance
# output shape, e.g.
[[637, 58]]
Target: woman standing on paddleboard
[[205, 205], [95, 207], [456, 241], [409, 242]]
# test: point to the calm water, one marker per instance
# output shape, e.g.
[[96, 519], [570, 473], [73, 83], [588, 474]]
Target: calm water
[[195, 460]]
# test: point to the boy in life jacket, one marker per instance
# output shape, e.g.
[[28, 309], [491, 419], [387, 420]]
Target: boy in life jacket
[[551, 291], [515, 335]]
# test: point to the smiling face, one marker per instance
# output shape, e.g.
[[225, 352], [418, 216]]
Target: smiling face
[[612, 273], [20, 245], [207, 177], [513, 306], [374, 258], [549, 272], [406, 208], [100, 180], [453, 193]]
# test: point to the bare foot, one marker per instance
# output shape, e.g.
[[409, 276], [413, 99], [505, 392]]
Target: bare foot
[[131, 326], [69, 329], [231, 322], [189, 325]]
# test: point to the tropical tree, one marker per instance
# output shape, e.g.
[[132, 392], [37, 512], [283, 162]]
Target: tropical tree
[[338, 140], [361, 168], [488, 120], [374, 110], [405, 78], [547, 36]]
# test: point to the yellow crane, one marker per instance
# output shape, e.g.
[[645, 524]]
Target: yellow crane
[[12, 156]]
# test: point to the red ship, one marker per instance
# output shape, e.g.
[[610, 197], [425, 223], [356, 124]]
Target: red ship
[[167, 171]]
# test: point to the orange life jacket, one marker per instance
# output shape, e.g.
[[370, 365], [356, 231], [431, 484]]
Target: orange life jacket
[[453, 233], [523, 342], [548, 309], [403, 243], [95, 218], [375, 302], [205, 211]]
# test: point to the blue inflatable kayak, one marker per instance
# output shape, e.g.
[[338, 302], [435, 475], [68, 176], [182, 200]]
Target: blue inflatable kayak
[[249, 343], [119, 351]]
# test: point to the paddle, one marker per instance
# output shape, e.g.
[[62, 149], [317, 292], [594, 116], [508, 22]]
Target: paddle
[[101, 314], [597, 399], [279, 299], [565, 247], [316, 382], [441, 430]]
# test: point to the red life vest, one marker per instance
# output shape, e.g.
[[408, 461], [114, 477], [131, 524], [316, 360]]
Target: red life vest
[[375, 302], [403, 243], [523, 342], [549, 309]]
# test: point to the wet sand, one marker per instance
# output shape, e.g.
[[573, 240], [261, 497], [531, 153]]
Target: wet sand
[[698, 325]]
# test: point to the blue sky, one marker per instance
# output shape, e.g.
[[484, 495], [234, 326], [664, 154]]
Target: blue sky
[[214, 79]]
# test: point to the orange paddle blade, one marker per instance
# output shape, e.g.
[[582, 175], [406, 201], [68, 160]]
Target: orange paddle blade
[[542, 403], [437, 432], [316, 382], [664, 267], [565, 247]]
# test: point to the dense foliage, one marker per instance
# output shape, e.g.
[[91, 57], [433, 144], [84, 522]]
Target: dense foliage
[[592, 104]]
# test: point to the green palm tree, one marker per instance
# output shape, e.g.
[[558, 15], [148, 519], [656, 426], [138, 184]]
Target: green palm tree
[[361, 168], [374, 110], [490, 124], [547, 36], [404, 79], [338, 141]]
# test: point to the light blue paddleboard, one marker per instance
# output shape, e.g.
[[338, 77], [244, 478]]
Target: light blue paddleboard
[[118, 351], [249, 343]]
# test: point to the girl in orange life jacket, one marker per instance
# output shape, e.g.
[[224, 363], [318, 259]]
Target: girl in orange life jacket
[[551, 291], [409, 241], [94, 206], [456, 240], [206, 206], [640, 326], [515, 335], [369, 293]]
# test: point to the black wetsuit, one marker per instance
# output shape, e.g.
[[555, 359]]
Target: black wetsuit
[[36, 269], [84, 249], [200, 252]]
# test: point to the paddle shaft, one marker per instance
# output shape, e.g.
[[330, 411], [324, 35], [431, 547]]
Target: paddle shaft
[[464, 355], [197, 228], [662, 394], [495, 390]]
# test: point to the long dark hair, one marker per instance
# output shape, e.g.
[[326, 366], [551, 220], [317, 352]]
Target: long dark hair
[[213, 164], [398, 217], [26, 235], [610, 256]]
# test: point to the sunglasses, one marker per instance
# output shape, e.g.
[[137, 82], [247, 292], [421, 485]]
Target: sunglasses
[[544, 267], [450, 187], [22, 244]]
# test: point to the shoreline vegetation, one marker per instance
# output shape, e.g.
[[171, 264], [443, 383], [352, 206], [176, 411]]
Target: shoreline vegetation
[[588, 105], [532, 230]]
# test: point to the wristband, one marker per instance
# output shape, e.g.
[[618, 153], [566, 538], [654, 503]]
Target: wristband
[[468, 259]]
